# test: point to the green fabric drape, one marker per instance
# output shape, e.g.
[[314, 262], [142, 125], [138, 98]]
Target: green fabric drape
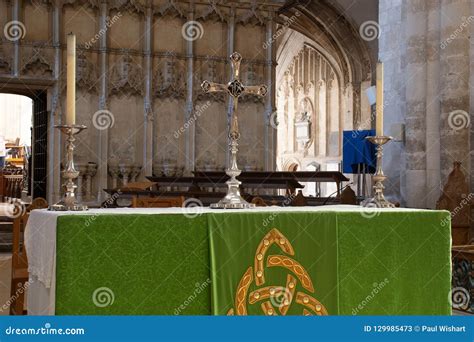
[[153, 264], [392, 263]]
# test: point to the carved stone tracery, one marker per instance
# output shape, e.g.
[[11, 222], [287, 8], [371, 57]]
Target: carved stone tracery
[[126, 76], [37, 60]]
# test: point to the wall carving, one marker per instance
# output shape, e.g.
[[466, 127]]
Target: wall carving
[[37, 60], [126, 77], [142, 75]]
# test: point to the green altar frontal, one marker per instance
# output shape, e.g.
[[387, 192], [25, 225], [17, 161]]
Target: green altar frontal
[[255, 263]]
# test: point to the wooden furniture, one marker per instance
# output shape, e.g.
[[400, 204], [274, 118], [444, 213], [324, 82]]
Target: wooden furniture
[[11, 183], [19, 259], [348, 196], [138, 186], [249, 177], [456, 199], [157, 202], [300, 200], [259, 202]]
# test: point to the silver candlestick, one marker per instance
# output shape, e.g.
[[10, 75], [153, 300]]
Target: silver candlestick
[[69, 202], [378, 178], [235, 88]]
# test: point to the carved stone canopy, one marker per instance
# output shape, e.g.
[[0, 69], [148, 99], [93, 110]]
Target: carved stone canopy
[[37, 60], [169, 81], [126, 76], [86, 73]]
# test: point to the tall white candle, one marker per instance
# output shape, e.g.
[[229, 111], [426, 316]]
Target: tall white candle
[[379, 101], [71, 80]]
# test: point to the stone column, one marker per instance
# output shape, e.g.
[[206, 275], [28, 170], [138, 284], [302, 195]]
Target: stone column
[[416, 30], [148, 100], [433, 72], [54, 136], [103, 97], [16, 44], [190, 135], [91, 172], [270, 133], [82, 168], [328, 116], [454, 100]]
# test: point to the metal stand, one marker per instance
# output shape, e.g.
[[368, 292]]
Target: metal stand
[[233, 199], [69, 202], [379, 200]]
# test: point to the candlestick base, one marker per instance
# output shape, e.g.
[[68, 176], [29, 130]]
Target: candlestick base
[[69, 202], [378, 178]]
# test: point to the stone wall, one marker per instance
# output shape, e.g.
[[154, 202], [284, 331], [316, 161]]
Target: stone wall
[[139, 68], [426, 50]]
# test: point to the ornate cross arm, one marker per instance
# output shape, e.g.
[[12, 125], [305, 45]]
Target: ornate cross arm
[[212, 87], [260, 90]]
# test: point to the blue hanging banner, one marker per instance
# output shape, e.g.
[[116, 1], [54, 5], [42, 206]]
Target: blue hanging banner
[[356, 150]]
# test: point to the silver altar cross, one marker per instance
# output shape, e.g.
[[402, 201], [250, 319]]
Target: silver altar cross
[[235, 88]]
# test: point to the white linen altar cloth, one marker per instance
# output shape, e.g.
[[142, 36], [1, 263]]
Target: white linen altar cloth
[[40, 242]]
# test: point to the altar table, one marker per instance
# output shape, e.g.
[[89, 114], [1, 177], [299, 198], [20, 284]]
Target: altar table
[[336, 260]]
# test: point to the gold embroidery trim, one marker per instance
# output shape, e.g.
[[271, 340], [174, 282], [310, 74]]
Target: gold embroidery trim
[[294, 267], [311, 303], [276, 297], [274, 236]]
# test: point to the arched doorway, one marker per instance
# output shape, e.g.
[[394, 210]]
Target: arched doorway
[[23, 145]]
